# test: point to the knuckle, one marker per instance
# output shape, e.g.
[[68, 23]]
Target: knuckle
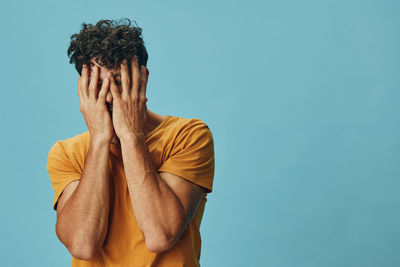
[[136, 76], [118, 103], [135, 98], [126, 80]]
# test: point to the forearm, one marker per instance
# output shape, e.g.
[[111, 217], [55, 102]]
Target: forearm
[[157, 209], [82, 223]]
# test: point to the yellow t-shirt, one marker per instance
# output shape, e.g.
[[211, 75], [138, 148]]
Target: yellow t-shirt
[[180, 146]]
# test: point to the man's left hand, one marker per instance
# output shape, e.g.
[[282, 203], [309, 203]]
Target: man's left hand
[[129, 107]]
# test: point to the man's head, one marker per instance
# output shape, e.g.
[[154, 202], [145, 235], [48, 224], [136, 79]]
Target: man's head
[[106, 45]]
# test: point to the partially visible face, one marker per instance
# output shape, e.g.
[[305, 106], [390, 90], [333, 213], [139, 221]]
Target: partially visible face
[[102, 75]]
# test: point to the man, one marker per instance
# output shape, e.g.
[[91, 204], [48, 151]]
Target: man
[[130, 191]]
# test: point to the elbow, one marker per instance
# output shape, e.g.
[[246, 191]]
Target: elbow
[[161, 243], [79, 250], [158, 246], [85, 253]]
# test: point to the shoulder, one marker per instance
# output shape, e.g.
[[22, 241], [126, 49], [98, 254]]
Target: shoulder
[[191, 153], [73, 149], [190, 134], [77, 142], [190, 126]]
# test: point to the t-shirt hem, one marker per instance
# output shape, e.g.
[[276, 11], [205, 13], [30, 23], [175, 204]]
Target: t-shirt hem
[[188, 176]]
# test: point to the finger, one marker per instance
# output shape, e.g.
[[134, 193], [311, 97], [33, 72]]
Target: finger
[[79, 88], [113, 87], [105, 87], [143, 82], [125, 79], [94, 81], [135, 77], [84, 81]]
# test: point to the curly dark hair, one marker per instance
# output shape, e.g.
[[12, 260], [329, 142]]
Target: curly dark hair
[[110, 41]]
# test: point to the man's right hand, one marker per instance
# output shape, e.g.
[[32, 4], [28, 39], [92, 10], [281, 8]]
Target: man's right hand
[[93, 105]]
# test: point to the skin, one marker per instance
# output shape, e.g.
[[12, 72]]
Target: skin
[[153, 119], [163, 203]]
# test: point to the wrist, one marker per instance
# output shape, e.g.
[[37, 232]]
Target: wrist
[[132, 138], [100, 141]]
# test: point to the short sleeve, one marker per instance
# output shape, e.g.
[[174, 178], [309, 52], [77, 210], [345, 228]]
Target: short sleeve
[[192, 155], [61, 170]]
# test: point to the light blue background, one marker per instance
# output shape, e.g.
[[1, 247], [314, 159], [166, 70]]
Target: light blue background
[[302, 98]]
